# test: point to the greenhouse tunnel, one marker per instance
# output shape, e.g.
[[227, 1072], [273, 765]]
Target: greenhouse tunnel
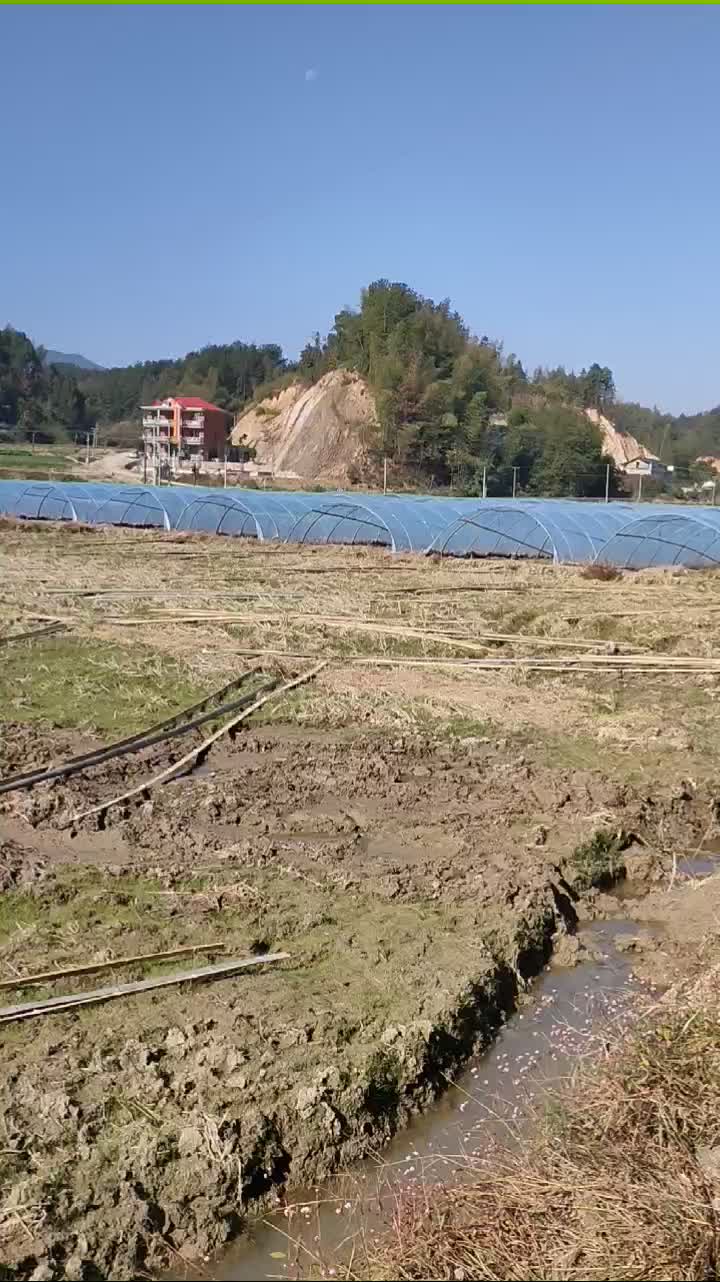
[[559, 530], [403, 524], [249, 514], [565, 531], [262, 515], [37, 501], [664, 538]]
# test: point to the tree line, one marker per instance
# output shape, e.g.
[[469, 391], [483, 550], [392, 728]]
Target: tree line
[[451, 407], [228, 375]]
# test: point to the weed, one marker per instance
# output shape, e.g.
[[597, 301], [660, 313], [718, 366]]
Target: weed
[[520, 620], [601, 573], [596, 862]]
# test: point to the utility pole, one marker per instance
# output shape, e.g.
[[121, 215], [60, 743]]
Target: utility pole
[[515, 472], [713, 493], [640, 480], [32, 442], [225, 471], [385, 475], [484, 488], [607, 483], [87, 449]]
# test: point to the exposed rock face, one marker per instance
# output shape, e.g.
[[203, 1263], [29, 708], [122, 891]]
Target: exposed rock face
[[317, 432], [621, 447]]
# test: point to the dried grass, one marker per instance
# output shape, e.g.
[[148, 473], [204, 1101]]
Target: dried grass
[[400, 604], [617, 1186]]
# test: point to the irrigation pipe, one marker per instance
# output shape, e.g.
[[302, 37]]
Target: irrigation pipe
[[159, 733], [195, 752]]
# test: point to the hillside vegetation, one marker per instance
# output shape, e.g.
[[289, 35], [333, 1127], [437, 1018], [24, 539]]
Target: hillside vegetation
[[447, 404], [36, 398], [228, 375], [450, 405]]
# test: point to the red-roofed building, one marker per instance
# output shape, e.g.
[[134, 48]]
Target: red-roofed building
[[184, 429]]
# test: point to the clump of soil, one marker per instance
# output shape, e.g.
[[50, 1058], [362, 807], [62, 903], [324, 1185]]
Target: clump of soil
[[17, 868]]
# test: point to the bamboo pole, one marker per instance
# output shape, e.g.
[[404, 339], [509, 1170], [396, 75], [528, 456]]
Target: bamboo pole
[[171, 728], [52, 1005], [195, 752], [48, 976], [571, 663], [30, 636], [352, 625]]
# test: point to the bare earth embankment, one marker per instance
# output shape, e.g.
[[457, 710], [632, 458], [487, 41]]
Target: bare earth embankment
[[416, 832]]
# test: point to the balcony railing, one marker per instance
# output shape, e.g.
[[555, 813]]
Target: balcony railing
[[153, 420]]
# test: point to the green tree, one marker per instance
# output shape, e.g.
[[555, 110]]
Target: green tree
[[571, 462], [313, 361], [35, 397], [598, 387]]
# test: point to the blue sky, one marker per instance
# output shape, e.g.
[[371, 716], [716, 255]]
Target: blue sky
[[177, 176]]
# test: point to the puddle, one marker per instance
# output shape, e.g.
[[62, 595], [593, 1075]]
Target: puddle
[[703, 863], [536, 1049]]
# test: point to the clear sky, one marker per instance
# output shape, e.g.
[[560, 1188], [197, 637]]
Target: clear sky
[[177, 176]]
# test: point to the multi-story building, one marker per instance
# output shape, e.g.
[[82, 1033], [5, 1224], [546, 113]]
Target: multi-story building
[[183, 430]]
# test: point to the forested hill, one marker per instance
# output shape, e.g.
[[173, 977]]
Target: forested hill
[[448, 403], [228, 375], [73, 359], [36, 397]]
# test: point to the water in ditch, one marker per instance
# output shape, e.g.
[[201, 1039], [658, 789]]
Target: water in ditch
[[537, 1048]]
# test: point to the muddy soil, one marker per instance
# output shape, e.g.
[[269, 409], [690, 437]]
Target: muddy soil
[[403, 818], [677, 929], [416, 885]]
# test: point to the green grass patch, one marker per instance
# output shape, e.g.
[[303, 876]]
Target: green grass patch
[[36, 458], [443, 723], [73, 682], [81, 900]]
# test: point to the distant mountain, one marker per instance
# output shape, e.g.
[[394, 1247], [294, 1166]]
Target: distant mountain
[[69, 358]]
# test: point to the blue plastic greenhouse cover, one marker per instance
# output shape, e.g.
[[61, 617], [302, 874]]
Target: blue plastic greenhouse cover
[[550, 529], [37, 501], [670, 537], [402, 523], [256, 514], [561, 530]]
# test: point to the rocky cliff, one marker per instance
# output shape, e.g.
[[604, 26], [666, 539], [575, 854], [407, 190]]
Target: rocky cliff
[[317, 433]]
